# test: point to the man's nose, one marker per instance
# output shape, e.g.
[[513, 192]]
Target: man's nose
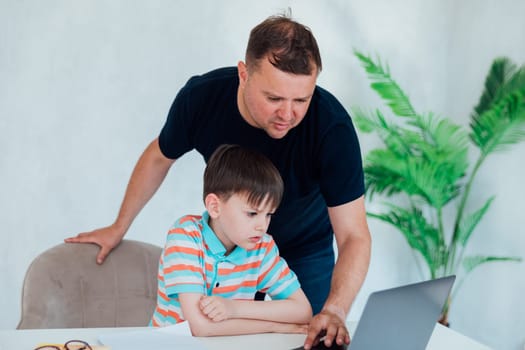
[[286, 111]]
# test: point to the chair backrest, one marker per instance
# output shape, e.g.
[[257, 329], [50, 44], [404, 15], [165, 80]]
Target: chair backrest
[[65, 288]]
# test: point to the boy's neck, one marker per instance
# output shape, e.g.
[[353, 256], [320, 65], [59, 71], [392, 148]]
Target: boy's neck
[[215, 227]]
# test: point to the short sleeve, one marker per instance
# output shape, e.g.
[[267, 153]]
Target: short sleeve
[[276, 279], [175, 136], [183, 266], [341, 168]]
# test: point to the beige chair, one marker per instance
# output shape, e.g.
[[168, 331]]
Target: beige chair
[[65, 288]]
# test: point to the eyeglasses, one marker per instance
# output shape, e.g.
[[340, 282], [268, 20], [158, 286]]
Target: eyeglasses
[[69, 345]]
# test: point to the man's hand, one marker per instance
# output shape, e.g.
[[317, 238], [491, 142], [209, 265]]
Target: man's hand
[[328, 326], [216, 308], [106, 238]]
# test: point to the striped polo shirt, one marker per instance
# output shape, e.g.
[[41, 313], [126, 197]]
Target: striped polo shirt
[[194, 261]]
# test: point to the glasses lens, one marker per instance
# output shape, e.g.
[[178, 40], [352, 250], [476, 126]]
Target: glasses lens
[[77, 345], [48, 347]]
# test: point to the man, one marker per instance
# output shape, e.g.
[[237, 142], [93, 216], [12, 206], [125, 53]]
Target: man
[[271, 104]]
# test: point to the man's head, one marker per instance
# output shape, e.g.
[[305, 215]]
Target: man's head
[[278, 79], [242, 189], [288, 45]]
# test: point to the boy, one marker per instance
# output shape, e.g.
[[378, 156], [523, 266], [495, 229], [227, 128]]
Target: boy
[[212, 266]]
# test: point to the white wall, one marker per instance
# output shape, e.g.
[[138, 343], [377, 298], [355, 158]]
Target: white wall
[[85, 85]]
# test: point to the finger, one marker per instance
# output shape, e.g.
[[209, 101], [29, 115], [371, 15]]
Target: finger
[[331, 333], [218, 317], [75, 239], [208, 310], [84, 237], [102, 254], [313, 335]]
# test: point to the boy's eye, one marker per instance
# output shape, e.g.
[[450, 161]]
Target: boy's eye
[[252, 213]]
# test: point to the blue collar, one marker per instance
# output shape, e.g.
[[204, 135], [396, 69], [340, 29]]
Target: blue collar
[[237, 256]]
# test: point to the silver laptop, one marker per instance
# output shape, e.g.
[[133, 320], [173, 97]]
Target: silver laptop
[[400, 318]]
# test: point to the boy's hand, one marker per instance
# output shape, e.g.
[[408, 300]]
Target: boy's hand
[[216, 308]]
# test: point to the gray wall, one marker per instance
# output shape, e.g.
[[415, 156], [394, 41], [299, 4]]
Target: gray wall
[[85, 85]]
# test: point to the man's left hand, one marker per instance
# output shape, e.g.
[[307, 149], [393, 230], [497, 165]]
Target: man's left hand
[[328, 326]]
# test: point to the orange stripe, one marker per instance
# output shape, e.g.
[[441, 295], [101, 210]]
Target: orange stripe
[[226, 289], [167, 313], [182, 267], [163, 295], [182, 231], [263, 275], [192, 218], [184, 250], [240, 268]]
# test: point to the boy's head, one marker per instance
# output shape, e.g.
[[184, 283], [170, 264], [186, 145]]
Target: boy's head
[[232, 169], [242, 189]]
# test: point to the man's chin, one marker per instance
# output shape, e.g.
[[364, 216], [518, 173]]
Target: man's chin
[[277, 134]]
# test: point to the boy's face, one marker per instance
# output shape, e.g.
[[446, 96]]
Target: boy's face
[[238, 223], [273, 100]]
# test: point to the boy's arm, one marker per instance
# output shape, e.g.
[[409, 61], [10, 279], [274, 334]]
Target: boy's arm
[[294, 309], [202, 326]]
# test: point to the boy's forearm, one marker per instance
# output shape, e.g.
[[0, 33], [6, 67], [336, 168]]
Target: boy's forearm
[[246, 326], [286, 310]]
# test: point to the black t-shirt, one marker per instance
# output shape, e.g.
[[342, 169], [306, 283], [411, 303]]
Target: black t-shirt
[[319, 160]]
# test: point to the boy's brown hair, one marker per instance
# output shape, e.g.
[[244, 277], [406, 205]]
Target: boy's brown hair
[[233, 169]]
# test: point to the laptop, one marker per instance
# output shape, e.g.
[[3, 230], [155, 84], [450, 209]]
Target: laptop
[[400, 318]]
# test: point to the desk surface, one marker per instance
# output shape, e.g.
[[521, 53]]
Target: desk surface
[[442, 339]]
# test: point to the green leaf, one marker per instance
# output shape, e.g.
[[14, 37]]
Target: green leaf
[[383, 172], [467, 225], [501, 125], [421, 235], [386, 87], [471, 262], [501, 72]]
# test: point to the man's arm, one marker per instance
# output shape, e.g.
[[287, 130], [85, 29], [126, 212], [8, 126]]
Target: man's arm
[[149, 172], [203, 326], [353, 244]]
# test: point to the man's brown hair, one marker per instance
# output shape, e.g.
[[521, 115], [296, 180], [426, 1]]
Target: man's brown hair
[[290, 46]]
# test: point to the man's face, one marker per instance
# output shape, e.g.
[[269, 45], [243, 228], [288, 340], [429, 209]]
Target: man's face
[[273, 100]]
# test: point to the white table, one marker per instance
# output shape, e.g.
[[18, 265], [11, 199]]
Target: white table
[[442, 339]]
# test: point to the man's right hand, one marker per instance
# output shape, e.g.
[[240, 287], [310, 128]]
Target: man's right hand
[[106, 238]]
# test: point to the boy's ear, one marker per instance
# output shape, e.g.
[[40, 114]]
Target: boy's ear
[[213, 205]]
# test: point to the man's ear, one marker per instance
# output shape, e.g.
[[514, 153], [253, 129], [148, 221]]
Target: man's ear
[[242, 70], [213, 205]]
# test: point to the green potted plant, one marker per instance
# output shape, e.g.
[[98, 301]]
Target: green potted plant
[[424, 167]]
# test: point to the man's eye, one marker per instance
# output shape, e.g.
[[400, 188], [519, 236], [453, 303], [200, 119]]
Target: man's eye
[[251, 213], [274, 99]]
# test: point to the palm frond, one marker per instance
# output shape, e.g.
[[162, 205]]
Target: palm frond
[[442, 136], [432, 181], [386, 87], [395, 139], [467, 225], [420, 235], [384, 173], [500, 73], [501, 125], [472, 262]]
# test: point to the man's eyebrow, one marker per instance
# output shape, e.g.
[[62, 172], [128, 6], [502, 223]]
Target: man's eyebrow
[[270, 94]]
